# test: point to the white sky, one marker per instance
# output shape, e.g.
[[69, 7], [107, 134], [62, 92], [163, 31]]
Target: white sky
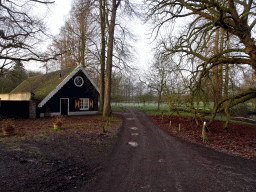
[[56, 19], [57, 15]]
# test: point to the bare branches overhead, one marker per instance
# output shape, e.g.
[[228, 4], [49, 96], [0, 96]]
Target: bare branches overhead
[[20, 31], [213, 39], [235, 17]]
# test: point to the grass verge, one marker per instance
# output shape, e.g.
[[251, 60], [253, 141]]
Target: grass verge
[[151, 109]]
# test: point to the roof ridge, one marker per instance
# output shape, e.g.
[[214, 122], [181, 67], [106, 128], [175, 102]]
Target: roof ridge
[[44, 86], [41, 75], [54, 71], [13, 91]]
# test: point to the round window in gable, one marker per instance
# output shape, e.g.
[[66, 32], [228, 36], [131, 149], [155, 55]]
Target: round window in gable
[[79, 81]]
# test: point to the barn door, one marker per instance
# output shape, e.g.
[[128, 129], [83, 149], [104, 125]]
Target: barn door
[[64, 106]]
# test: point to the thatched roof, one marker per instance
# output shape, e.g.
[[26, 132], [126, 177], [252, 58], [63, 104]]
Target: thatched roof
[[43, 87]]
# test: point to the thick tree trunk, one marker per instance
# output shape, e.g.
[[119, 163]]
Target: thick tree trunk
[[226, 81], [250, 47], [217, 79], [82, 48], [222, 36], [107, 94], [103, 49]]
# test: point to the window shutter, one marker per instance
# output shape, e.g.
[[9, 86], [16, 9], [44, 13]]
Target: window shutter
[[77, 104], [91, 104]]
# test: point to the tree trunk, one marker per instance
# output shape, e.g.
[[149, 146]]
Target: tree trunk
[[107, 94], [82, 48], [220, 71], [160, 92], [226, 81], [250, 47], [159, 100], [216, 74], [102, 57]]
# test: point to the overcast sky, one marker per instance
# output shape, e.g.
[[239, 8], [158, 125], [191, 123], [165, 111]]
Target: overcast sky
[[57, 15], [56, 19]]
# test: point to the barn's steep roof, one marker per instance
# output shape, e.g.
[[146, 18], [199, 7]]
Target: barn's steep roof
[[43, 87]]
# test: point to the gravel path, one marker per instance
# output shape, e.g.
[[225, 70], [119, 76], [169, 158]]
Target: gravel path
[[147, 159]]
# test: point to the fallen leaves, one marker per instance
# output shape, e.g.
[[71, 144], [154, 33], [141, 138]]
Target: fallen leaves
[[241, 141]]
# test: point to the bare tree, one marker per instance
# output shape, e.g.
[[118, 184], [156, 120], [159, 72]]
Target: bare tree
[[102, 9], [236, 19], [158, 76], [121, 52], [20, 32], [78, 39], [111, 30]]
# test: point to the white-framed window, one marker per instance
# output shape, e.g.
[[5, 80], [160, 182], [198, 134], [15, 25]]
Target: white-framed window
[[78, 81], [83, 104]]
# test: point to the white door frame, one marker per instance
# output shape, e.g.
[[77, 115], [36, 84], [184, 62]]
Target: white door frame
[[68, 105]]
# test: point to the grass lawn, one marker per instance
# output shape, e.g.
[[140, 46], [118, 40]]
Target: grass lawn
[[151, 109]]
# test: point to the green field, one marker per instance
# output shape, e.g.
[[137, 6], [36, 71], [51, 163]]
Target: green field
[[151, 108]]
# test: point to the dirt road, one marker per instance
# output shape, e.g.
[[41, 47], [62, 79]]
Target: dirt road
[[147, 159]]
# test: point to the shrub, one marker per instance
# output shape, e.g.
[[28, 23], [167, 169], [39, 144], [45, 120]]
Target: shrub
[[240, 110]]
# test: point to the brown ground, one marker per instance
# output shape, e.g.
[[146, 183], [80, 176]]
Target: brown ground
[[241, 140], [38, 158]]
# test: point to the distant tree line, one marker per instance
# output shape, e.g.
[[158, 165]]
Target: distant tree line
[[15, 76]]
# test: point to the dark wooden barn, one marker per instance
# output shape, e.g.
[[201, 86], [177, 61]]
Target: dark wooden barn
[[66, 92]]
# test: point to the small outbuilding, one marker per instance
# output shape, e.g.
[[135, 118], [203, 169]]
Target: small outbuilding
[[65, 92]]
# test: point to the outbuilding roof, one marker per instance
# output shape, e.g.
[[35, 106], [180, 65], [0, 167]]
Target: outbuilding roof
[[43, 87]]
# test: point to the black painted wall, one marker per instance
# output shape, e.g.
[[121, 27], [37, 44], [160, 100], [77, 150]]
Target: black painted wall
[[14, 109]]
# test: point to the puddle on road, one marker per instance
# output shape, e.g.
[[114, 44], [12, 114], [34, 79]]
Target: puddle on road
[[135, 134], [134, 128], [145, 187], [133, 144], [131, 118], [160, 160]]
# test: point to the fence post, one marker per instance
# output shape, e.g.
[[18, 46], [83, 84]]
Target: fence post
[[204, 132]]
